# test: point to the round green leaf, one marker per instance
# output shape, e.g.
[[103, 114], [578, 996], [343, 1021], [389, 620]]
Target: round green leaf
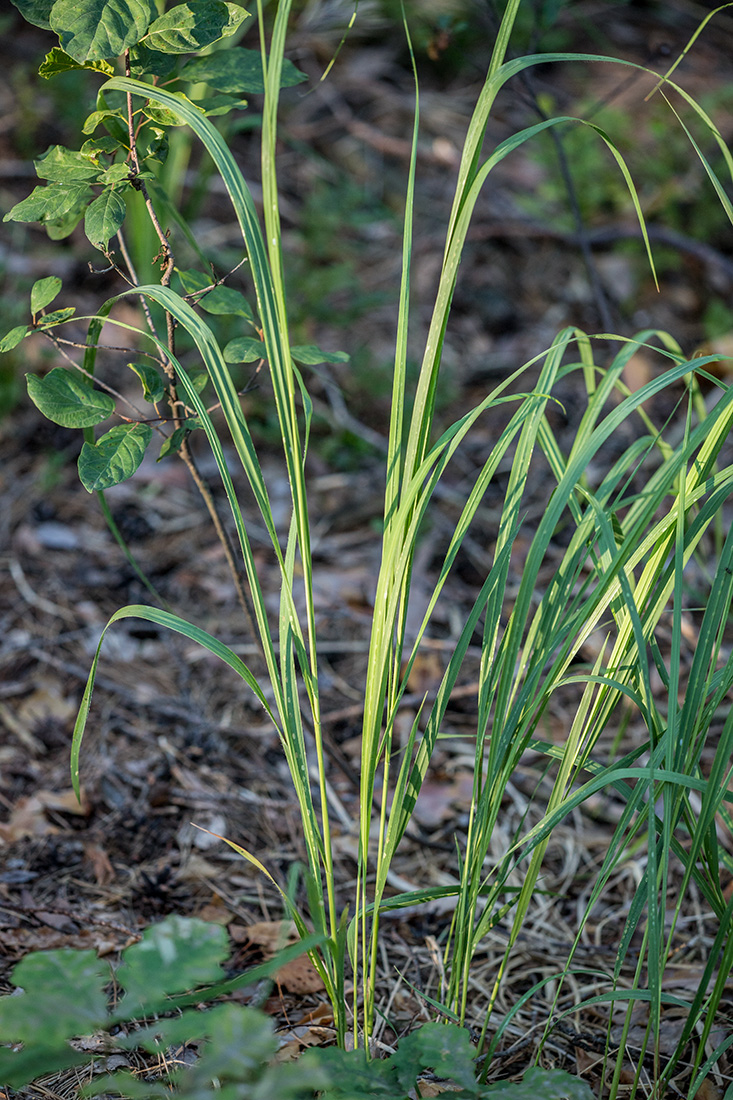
[[114, 457], [244, 349], [104, 217], [67, 399], [98, 29], [43, 292], [189, 27]]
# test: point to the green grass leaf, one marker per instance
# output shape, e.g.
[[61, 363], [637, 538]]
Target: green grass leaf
[[114, 457], [104, 217], [99, 29], [238, 71], [189, 27], [68, 399], [43, 292]]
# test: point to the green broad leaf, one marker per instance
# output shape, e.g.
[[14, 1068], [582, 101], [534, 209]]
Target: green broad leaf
[[215, 105], [104, 217], [22, 1067], [153, 144], [36, 12], [98, 29], [11, 339], [49, 204], [56, 317], [190, 27], [68, 399], [61, 227], [175, 441], [62, 165], [225, 300], [44, 1010], [96, 118], [163, 116], [114, 457], [153, 385], [310, 356], [244, 349], [550, 1084], [145, 62], [43, 292], [173, 957], [237, 71], [93, 148], [58, 61], [445, 1049], [116, 173], [192, 280], [199, 383]]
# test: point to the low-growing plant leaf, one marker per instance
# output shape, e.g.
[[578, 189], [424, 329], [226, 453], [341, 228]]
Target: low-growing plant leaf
[[21, 1067], [68, 399], [310, 355], [114, 457], [244, 349], [11, 339], [56, 317], [172, 957], [44, 291], [350, 1074], [104, 217], [36, 12], [445, 1049], [189, 27], [99, 29], [238, 71], [153, 385], [44, 1011], [59, 61], [49, 204], [550, 1084]]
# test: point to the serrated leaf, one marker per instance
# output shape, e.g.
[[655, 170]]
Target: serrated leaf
[[61, 165], [445, 1049], [310, 356], [163, 116], [237, 71], [114, 457], [550, 1084], [179, 955], [11, 339], [244, 349], [153, 386], [36, 12], [98, 29], [48, 204], [56, 317], [44, 291], [67, 399], [192, 26], [104, 217], [96, 118], [59, 61]]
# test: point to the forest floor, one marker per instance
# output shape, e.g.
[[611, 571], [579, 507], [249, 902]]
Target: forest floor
[[172, 741]]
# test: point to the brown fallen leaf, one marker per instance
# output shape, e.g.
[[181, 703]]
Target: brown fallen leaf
[[300, 976]]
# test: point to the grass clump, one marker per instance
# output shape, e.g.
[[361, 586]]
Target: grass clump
[[636, 526]]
